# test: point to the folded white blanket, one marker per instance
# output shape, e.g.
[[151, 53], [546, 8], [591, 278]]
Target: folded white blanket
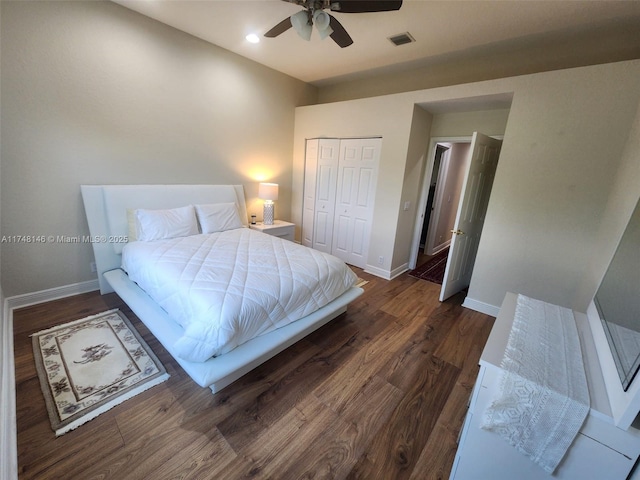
[[543, 397], [228, 287]]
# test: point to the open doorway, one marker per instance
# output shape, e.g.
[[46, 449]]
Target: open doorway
[[441, 190], [465, 177], [441, 150], [448, 186]]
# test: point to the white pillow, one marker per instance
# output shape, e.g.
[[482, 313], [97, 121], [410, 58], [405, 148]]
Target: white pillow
[[162, 224], [218, 217]]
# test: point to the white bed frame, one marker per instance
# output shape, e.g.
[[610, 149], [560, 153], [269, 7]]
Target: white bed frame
[[106, 210]]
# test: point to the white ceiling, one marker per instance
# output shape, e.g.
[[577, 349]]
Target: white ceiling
[[439, 27]]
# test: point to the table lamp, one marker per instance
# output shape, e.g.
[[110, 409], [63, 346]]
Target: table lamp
[[268, 192]]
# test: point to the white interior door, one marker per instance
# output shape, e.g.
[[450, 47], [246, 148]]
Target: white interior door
[[472, 209], [357, 177], [325, 193]]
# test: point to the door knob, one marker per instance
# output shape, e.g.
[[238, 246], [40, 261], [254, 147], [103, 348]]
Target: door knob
[[457, 232]]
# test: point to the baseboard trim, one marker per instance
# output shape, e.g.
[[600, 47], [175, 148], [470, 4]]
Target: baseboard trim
[[8, 429], [386, 274], [34, 298], [481, 307], [378, 272], [396, 272], [8, 432]]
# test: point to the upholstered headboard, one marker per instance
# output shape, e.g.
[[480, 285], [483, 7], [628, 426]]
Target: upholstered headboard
[[106, 209]]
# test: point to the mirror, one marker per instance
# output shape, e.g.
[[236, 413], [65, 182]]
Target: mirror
[[618, 302]]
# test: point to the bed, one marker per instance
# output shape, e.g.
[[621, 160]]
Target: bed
[[165, 295]]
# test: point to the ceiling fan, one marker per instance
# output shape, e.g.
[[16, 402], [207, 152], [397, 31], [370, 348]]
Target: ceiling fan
[[326, 24]]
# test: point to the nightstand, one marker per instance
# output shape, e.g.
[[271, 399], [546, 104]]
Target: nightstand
[[279, 228]]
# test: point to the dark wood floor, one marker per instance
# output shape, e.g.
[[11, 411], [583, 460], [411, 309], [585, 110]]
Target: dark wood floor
[[378, 393]]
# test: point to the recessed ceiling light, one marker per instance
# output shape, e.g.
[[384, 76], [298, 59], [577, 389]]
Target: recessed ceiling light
[[253, 38]]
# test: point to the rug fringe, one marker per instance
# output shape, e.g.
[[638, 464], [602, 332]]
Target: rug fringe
[[98, 411]]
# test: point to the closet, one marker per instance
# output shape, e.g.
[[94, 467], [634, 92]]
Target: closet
[[339, 190]]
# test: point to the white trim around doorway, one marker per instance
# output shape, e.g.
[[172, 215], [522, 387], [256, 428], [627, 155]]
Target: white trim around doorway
[[424, 192]]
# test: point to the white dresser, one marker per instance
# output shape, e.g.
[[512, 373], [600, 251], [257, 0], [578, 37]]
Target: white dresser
[[600, 451]]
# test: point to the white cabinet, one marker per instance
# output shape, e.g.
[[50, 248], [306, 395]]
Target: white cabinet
[[280, 228], [600, 450], [339, 192]]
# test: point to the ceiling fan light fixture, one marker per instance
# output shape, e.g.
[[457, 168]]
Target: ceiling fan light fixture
[[327, 25], [325, 33], [322, 22], [321, 19], [301, 24]]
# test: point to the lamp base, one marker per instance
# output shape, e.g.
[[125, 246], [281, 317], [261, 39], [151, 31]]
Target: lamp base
[[267, 214]]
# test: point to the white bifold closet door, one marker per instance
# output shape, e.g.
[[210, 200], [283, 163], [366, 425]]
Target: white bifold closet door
[[340, 186], [355, 194]]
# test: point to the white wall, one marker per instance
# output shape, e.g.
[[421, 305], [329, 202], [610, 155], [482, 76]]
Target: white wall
[[416, 160], [618, 209], [95, 93], [459, 124], [562, 150], [361, 119], [611, 41], [560, 157]]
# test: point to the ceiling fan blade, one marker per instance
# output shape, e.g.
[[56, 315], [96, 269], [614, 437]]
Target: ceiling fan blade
[[282, 27], [339, 35], [362, 6]]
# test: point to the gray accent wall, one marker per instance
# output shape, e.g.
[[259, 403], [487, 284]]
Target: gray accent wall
[[94, 93]]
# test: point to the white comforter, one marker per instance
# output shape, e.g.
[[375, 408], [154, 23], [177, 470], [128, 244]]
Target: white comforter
[[226, 288]]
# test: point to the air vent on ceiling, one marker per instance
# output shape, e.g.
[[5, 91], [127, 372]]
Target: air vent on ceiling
[[402, 39]]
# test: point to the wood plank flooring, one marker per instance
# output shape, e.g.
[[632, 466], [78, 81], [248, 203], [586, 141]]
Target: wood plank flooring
[[378, 393]]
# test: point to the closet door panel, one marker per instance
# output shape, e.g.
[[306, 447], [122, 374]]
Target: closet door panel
[[360, 240], [326, 189], [322, 227], [341, 236], [340, 183], [345, 186], [369, 152], [357, 177], [366, 189], [325, 193], [349, 150], [309, 193]]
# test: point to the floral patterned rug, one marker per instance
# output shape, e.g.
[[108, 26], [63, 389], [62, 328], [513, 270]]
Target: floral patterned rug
[[90, 365], [433, 269]]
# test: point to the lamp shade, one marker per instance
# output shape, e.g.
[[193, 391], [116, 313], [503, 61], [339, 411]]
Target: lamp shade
[[301, 24], [268, 191], [322, 20]]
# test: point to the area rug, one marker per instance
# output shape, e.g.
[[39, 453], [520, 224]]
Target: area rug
[[433, 269], [90, 365], [361, 282]]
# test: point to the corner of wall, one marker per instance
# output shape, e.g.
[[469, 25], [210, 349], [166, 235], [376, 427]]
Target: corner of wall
[[481, 307], [8, 431]]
